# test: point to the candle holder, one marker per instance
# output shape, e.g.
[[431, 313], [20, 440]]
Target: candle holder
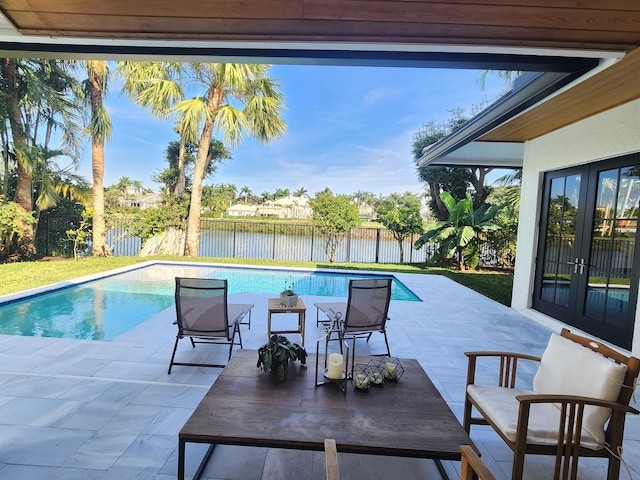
[[391, 369], [361, 377], [334, 367], [376, 373]]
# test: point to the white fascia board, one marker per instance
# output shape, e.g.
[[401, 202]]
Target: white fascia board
[[487, 154]]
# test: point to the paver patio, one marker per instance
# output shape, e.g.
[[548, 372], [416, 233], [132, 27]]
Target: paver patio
[[75, 409]]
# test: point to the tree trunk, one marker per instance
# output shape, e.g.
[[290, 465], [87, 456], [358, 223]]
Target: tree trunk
[[180, 183], [23, 190], [192, 247], [100, 248], [477, 180], [401, 250], [441, 212]]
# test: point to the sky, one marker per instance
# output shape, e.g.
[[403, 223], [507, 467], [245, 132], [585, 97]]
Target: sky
[[348, 128]]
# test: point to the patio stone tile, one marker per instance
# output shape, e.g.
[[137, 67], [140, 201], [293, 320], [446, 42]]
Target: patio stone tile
[[168, 421], [91, 417], [129, 370], [171, 396], [131, 418], [30, 472], [119, 472], [120, 393], [148, 452], [21, 362], [289, 464], [86, 390], [382, 468], [26, 445], [101, 451], [77, 365], [41, 386], [37, 412], [228, 462]]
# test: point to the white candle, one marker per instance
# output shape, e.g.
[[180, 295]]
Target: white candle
[[390, 371], [376, 378], [334, 370], [362, 381]]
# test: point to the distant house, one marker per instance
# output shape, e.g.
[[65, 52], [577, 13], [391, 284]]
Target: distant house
[[287, 207], [140, 198], [240, 210]]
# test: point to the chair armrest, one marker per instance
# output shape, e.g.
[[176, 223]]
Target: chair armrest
[[508, 365], [331, 459], [571, 409], [573, 399], [472, 464]]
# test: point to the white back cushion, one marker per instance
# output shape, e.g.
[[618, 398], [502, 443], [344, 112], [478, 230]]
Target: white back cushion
[[569, 368]]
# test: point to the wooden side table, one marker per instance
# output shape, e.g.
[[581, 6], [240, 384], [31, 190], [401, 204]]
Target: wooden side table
[[276, 307]]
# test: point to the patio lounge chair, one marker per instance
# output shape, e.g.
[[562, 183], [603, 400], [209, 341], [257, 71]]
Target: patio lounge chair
[[365, 311], [581, 393], [204, 316]]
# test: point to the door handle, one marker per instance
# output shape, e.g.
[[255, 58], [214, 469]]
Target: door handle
[[575, 265], [581, 265]]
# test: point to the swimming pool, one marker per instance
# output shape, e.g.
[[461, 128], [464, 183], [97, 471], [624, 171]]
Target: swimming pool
[[104, 308]]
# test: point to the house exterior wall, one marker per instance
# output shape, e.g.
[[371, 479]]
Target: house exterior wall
[[606, 135]]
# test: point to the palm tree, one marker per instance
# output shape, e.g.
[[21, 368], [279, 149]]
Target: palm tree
[[236, 99], [38, 98], [157, 87], [100, 130], [245, 193], [300, 192]]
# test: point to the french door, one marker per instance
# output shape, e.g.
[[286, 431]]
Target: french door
[[588, 259]]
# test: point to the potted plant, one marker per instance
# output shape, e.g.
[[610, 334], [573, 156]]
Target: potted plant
[[275, 355], [288, 297]]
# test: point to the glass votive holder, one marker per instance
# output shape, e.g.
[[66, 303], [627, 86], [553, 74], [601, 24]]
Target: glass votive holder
[[391, 369], [376, 374], [361, 377]]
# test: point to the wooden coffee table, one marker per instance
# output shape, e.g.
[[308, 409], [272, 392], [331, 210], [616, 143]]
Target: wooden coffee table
[[275, 307], [246, 406]]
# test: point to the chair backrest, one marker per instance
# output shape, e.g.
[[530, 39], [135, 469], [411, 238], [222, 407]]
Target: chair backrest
[[368, 304], [615, 427], [201, 307]]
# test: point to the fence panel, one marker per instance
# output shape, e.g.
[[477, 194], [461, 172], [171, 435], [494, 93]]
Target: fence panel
[[268, 240]]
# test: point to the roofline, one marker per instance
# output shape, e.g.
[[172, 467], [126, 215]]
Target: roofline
[[536, 88]]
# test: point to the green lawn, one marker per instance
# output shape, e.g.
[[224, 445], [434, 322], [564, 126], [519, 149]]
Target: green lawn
[[25, 275]]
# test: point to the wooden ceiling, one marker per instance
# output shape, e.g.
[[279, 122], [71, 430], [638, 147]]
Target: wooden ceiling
[[565, 24], [578, 28]]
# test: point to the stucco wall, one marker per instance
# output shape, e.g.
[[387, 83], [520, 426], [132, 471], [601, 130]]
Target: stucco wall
[[609, 134]]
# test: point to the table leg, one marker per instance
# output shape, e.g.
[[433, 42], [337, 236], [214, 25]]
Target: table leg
[[204, 461], [269, 326], [181, 459], [302, 319], [443, 472]]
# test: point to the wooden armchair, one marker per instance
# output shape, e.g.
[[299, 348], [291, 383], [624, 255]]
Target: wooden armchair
[[581, 393], [471, 466]]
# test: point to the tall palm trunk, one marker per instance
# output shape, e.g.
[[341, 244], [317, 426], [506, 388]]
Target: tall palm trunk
[[23, 190], [181, 181], [100, 249], [192, 245]]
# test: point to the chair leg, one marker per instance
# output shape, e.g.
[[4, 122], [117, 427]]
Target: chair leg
[[386, 341], [466, 421], [193, 344], [173, 355]]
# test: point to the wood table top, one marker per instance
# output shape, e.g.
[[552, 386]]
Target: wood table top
[[246, 406]]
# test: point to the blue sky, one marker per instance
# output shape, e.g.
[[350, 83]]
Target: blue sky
[[349, 128]]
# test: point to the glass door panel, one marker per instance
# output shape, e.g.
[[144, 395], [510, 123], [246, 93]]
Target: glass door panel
[[589, 269]]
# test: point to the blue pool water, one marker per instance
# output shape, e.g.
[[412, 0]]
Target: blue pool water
[[105, 308]]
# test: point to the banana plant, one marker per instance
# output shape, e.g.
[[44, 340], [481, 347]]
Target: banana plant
[[459, 235]]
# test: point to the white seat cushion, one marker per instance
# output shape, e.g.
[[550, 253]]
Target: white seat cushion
[[501, 406], [572, 369]]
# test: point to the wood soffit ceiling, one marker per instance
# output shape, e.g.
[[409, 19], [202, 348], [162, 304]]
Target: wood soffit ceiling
[[575, 25], [567, 24]]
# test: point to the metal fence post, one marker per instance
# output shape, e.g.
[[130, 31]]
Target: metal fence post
[[234, 239], [377, 245], [313, 233]]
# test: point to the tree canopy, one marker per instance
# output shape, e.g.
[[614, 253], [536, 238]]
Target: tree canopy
[[334, 216]]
